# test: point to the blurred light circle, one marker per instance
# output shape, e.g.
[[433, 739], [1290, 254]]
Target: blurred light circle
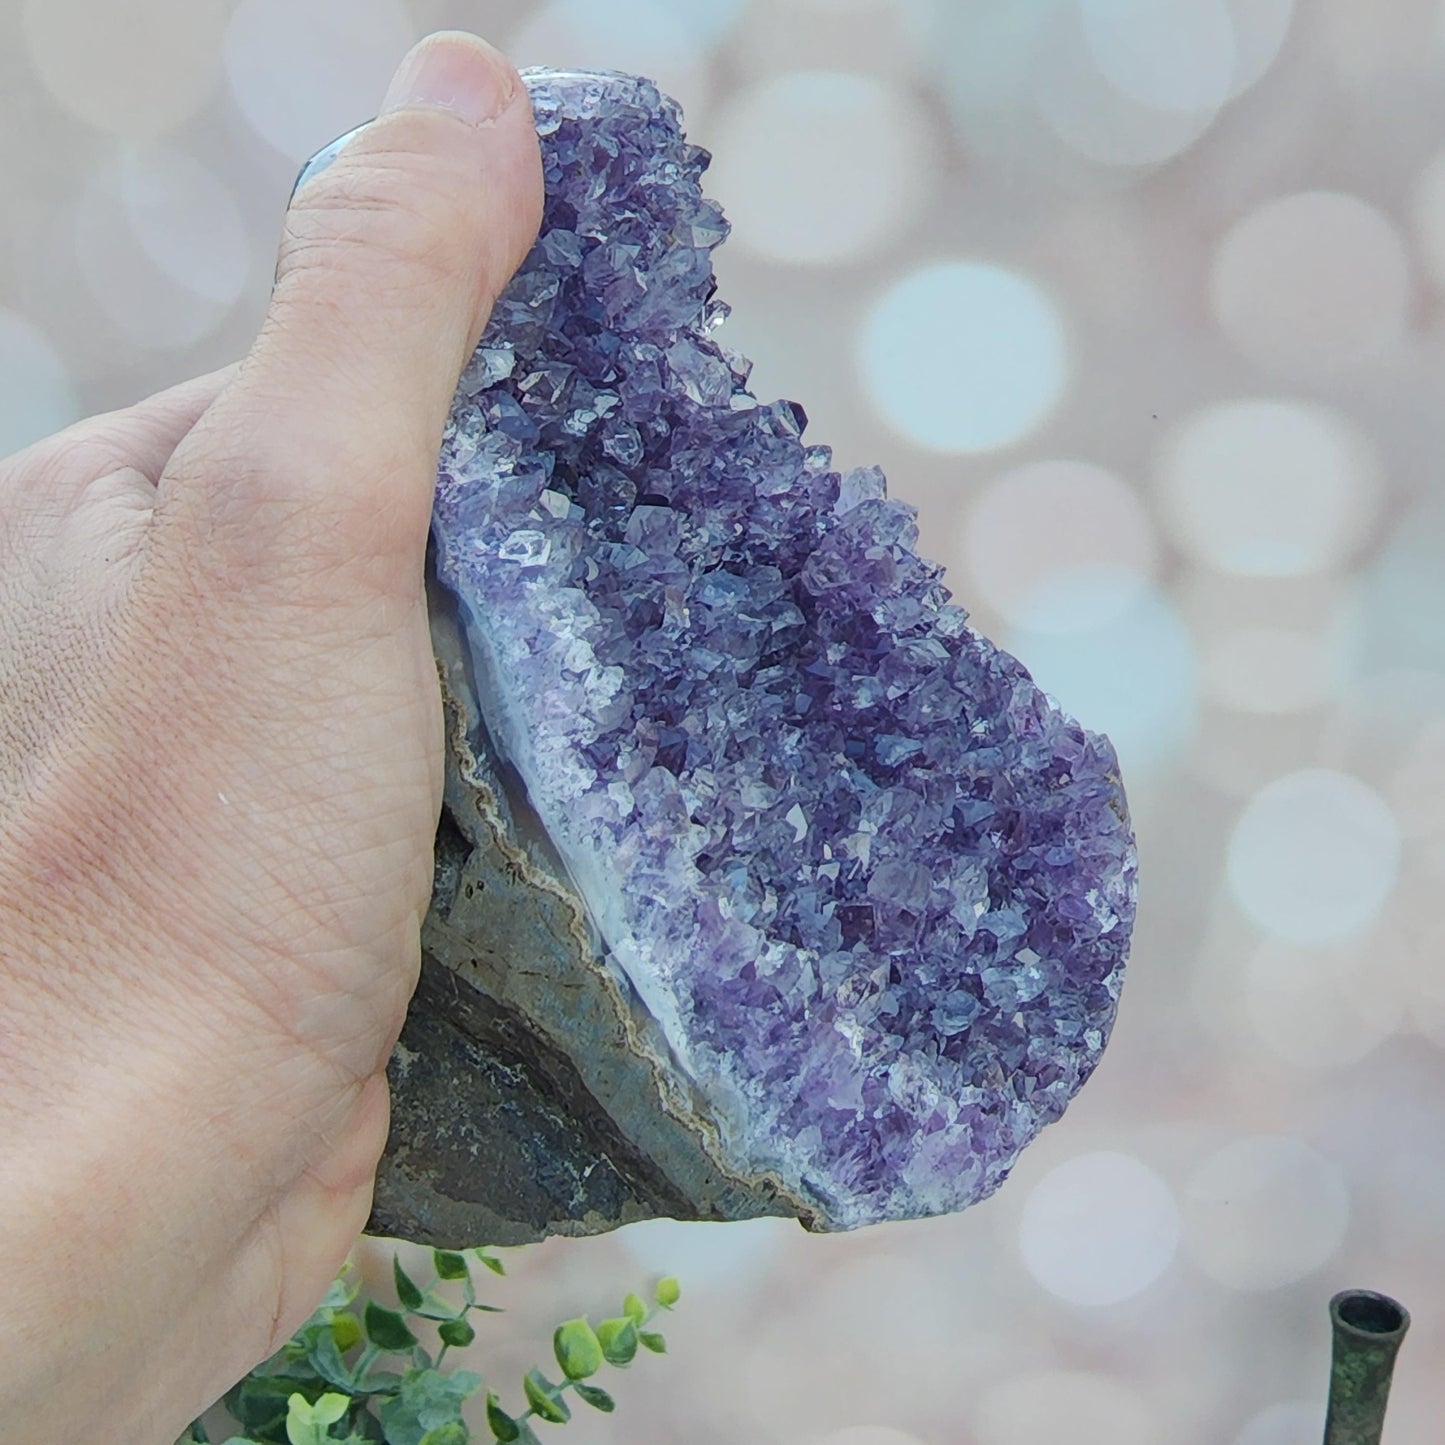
[[1271, 670], [817, 166], [1088, 111], [1260, 29], [1320, 1009], [1119, 133], [37, 396], [186, 221], [1134, 677], [988, 49], [1314, 856], [1059, 545], [1405, 591], [994, 61], [962, 356], [1291, 1422], [1284, 687], [1269, 488], [134, 70], [1416, 784], [1164, 54], [162, 245], [664, 41], [303, 72], [1429, 216], [1264, 1212], [1078, 1406], [722, 1258], [1313, 279], [1098, 1229], [1082, 598]]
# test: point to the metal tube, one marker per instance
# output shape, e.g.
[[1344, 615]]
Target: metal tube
[[1368, 1328]]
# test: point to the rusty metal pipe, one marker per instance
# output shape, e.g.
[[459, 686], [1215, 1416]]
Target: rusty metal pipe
[[1368, 1329]]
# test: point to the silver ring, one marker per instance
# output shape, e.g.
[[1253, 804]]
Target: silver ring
[[322, 159]]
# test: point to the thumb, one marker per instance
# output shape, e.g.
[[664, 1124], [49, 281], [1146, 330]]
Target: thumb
[[389, 264]]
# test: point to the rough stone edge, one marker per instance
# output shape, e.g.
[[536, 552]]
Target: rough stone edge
[[625, 1066], [473, 787]]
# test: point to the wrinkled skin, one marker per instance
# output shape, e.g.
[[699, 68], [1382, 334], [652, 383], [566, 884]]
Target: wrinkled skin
[[220, 772]]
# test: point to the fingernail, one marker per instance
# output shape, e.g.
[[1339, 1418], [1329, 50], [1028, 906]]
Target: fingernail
[[324, 157], [454, 71]]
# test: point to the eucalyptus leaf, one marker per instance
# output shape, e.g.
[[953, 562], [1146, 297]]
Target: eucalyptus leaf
[[449, 1264], [346, 1330], [310, 1423], [618, 1338], [434, 1307], [651, 1340], [599, 1399], [456, 1332], [386, 1328], [577, 1348], [453, 1433], [407, 1290], [545, 1399], [330, 1408], [635, 1309], [491, 1261], [502, 1425], [325, 1358], [668, 1292], [259, 1402], [426, 1401], [381, 1382], [344, 1288]]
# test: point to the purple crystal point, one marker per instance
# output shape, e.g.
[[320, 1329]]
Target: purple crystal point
[[874, 886]]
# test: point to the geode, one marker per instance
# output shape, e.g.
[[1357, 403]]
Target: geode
[[834, 902]]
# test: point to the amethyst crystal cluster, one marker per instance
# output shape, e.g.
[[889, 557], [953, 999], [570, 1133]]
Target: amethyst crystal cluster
[[874, 886]]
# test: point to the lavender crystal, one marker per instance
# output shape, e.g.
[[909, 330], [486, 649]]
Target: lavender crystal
[[876, 888]]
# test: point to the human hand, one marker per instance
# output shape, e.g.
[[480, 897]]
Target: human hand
[[220, 773]]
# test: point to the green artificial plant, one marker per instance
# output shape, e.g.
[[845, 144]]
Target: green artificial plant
[[330, 1381]]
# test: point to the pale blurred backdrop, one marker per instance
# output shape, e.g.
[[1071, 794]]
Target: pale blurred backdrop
[[1142, 304]]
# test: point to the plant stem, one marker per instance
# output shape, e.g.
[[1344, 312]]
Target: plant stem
[[368, 1358]]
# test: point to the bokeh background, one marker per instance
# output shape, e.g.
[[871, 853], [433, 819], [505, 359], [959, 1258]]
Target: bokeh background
[[1142, 304]]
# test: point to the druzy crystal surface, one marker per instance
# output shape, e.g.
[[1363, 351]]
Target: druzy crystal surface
[[875, 887]]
